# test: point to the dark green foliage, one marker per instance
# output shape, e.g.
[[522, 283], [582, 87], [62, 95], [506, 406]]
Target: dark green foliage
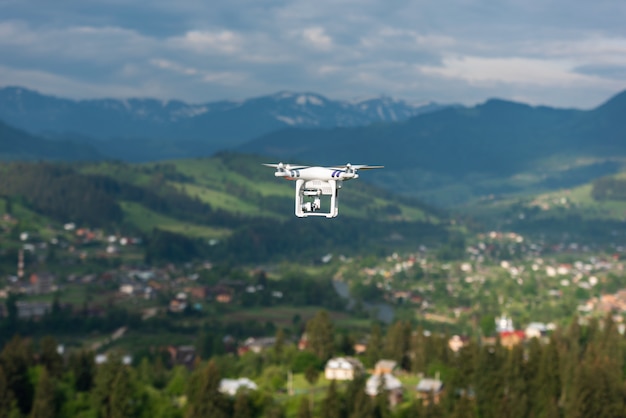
[[464, 408], [311, 374], [374, 346], [609, 188], [526, 381], [45, 402], [320, 335], [332, 407], [304, 408], [398, 344], [125, 396], [59, 192], [83, 368], [352, 393], [104, 390], [489, 381], [165, 245], [49, 357], [362, 406], [242, 407], [204, 397], [16, 358], [381, 404], [6, 395], [305, 360]]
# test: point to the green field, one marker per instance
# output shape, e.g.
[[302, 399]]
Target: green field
[[146, 220]]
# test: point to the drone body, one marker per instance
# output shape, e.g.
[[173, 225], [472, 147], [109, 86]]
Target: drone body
[[315, 183]]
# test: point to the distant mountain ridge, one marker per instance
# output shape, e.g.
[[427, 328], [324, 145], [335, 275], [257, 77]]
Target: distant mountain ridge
[[183, 129], [459, 153], [16, 144]]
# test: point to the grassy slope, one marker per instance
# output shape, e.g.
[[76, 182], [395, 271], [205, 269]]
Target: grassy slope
[[575, 200], [237, 186], [145, 220]]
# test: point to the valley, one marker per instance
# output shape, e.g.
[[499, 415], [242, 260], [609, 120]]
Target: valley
[[453, 263]]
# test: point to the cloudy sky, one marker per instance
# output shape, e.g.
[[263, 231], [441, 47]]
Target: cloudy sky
[[565, 53]]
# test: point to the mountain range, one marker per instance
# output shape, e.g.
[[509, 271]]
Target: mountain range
[[149, 129], [459, 153], [446, 155]]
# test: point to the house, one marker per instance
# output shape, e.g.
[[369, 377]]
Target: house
[[28, 310], [427, 388], [224, 298], [41, 283], [184, 355], [360, 347], [509, 339], [198, 292], [385, 367], [256, 345], [343, 368], [103, 358], [389, 383], [231, 386], [536, 330], [303, 342], [456, 342]]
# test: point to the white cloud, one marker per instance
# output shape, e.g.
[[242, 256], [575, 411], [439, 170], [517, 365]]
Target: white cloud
[[317, 37], [467, 50], [223, 41], [510, 70]]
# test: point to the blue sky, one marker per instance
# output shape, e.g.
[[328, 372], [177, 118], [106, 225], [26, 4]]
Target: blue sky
[[565, 53]]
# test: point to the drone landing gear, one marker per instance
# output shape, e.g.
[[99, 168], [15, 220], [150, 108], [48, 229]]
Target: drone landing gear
[[309, 198]]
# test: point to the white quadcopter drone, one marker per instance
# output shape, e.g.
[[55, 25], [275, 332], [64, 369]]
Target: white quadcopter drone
[[314, 182]]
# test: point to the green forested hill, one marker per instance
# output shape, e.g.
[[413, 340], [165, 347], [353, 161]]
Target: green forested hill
[[229, 199]]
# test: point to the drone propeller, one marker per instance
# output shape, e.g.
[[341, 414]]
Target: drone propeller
[[354, 167], [281, 166]]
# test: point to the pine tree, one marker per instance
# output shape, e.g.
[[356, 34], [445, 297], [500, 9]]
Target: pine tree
[[381, 400], [374, 346], [398, 344], [204, 397], [332, 406], [320, 334], [6, 395], [49, 356], [114, 394], [464, 408], [274, 410], [304, 409], [515, 384], [44, 404], [83, 368], [418, 351], [597, 386], [363, 407], [16, 358], [355, 387], [124, 396], [489, 381], [311, 374], [242, 407], [279, 345], [548, 380]]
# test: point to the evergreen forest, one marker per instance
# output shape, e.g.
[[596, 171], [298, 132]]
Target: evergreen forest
[[574, 372]]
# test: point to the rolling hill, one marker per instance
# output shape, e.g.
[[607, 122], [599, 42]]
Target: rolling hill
[[228, 199]]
